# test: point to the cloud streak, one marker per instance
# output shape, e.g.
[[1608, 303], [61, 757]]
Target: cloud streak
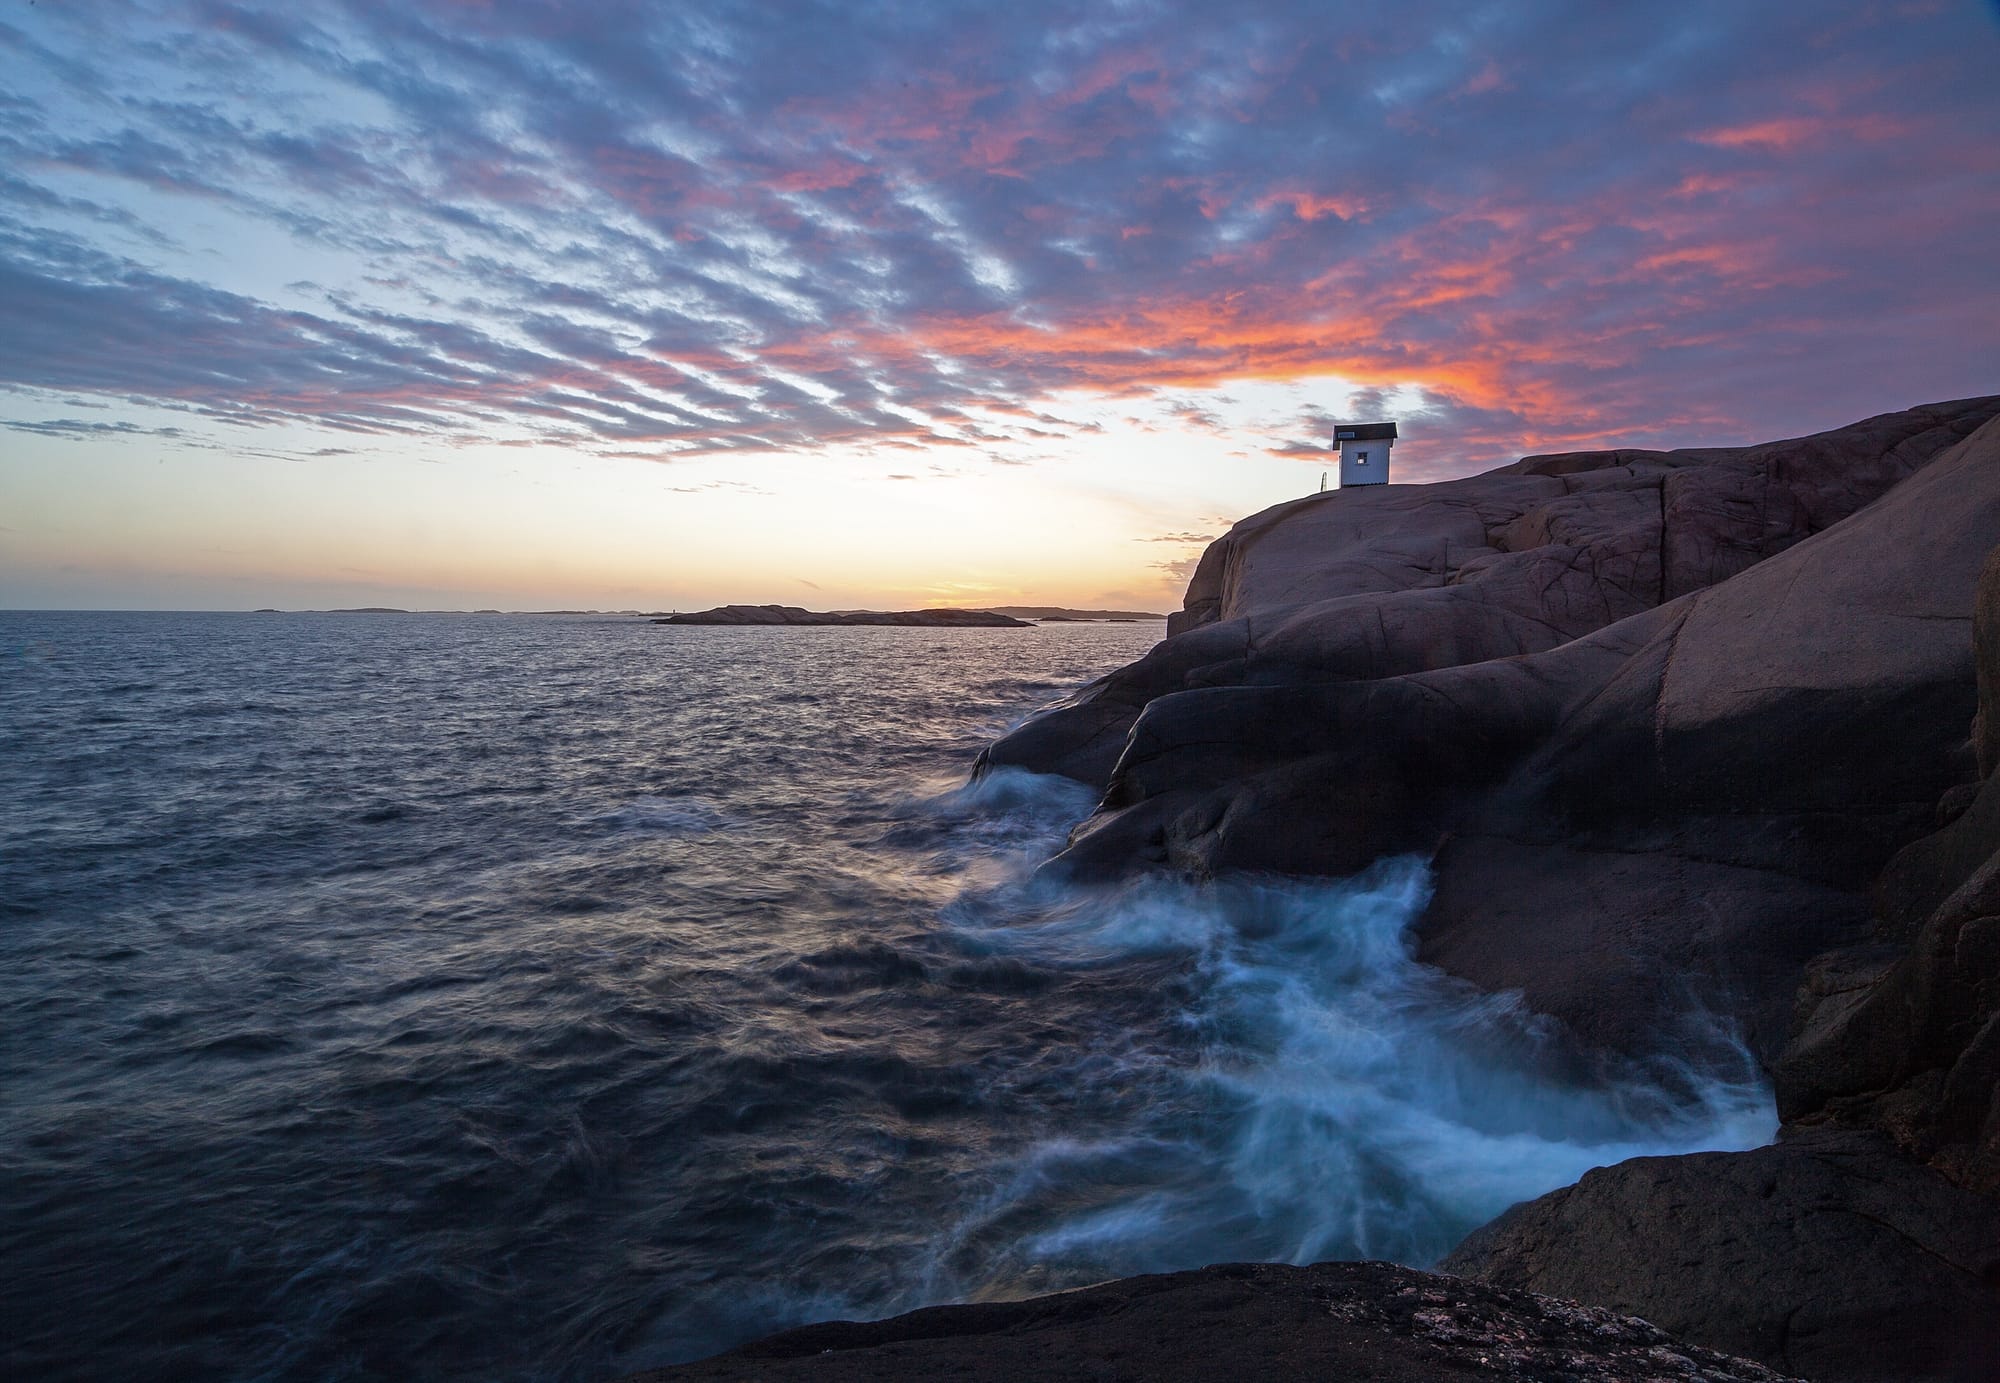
[[694, 230]]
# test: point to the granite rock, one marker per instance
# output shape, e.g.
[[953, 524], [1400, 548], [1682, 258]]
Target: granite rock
[[1911, 1044], [1384, 580], [1260, 1321], [1827, 1254], [1700, 788]]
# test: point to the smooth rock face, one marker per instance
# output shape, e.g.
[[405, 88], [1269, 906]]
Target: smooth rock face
[[1912, 1047], [1827, 1254], [1717, 807], [1267, 1322], [1837, 1252], [1668, 768], [793, 614], [1498, 670], [1391, 579]]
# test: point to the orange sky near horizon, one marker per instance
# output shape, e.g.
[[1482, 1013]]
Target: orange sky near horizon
[[630, 306]]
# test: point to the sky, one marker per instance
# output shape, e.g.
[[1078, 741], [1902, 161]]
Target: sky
[[527, 304]]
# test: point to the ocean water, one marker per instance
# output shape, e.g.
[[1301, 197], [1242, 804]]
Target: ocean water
[[454, 997]]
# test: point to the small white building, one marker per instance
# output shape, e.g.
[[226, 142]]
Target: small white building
[[1364, 452]]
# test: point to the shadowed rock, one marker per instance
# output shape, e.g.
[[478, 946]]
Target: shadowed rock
[[1717, 807], [1827, 1254], [1903, 1035], [1837, 1252], [1250, 1321]]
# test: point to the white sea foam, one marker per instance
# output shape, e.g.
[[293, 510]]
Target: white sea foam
[[1336, 1098], [997, 828], [1043, 801]]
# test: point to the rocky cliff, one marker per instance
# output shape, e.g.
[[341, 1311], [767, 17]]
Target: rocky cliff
[[1707, 731], [1655, 714], [1678, 729]]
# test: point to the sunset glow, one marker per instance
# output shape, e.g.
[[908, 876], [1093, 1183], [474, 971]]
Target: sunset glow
[[640, 305]]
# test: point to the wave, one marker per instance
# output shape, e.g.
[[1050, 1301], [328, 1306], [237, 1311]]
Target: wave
[[545, 1037], [1330, 1097], [666, 816]]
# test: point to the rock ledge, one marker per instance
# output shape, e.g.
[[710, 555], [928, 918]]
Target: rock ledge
[[1264, 1321]]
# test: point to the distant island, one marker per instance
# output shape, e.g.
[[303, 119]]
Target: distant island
[[395, 610], [1057, 614], [994, 617], [794, 615]]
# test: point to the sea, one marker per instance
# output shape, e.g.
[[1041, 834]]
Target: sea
[[547, 997]]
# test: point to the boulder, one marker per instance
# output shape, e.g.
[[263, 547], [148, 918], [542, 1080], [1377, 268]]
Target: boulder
[[1827, 1254]]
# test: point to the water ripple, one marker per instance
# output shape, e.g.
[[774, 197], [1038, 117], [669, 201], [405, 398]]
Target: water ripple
[[527, 998]]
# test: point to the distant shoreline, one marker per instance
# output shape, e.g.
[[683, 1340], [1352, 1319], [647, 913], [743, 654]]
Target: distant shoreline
[[949, 617], [789, 616], [1041, 614]]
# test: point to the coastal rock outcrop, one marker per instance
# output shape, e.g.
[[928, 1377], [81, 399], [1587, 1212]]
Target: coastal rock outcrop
[[1264, 1321], [1717, 807], [1385, 580], [1655, 713], [1685, 735], [1865, 1244]]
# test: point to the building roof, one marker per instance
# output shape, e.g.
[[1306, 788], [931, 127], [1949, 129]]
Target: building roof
[[1364, 432]]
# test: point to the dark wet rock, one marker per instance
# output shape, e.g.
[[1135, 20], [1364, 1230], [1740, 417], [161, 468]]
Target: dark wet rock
[[793, 614], [1882, 1052], [1623, 944], [1250, 1321], [1827, 1254]]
